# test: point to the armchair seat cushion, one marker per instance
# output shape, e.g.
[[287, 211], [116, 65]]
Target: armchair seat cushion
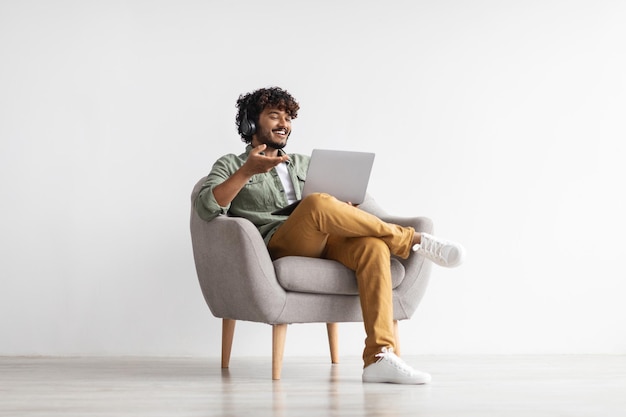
[[323, 276]]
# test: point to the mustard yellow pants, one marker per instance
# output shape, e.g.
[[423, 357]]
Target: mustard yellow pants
[[324, 227]]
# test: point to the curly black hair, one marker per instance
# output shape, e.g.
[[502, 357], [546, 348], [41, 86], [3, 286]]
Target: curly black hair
[[254, 103]]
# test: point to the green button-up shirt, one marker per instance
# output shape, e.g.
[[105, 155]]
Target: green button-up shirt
[[262, 194]]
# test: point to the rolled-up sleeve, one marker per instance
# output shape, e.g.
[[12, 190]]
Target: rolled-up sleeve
[[206, 205]]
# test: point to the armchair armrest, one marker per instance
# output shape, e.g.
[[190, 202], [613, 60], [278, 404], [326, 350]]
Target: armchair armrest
[[235, 270]]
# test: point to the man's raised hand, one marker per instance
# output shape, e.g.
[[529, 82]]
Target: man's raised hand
[[258, 163]]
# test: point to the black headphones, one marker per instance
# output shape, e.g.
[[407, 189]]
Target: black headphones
[[247, 127]]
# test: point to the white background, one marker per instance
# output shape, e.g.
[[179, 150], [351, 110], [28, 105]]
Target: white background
[[503, 121]]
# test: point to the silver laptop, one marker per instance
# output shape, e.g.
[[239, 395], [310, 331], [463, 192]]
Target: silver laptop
[[342, 174]]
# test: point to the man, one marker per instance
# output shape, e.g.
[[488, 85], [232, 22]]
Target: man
[[264, 178]]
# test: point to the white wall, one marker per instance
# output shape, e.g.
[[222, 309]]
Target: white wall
[[501, 120]]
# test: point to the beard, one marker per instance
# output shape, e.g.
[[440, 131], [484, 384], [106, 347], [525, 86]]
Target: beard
[[265, 138]]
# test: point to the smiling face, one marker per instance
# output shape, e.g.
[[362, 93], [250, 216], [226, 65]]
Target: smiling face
[[273, 128]]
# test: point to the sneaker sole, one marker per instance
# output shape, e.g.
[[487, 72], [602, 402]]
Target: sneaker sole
[[403, 381]]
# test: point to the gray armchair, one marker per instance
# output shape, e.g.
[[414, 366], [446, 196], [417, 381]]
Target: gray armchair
[[240, 281]]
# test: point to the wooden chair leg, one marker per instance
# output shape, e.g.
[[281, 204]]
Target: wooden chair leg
[[228, 331], [333, 341], [279, 334], [397, 337]]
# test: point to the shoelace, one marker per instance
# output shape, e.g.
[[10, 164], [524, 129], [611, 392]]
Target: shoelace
[[388, 355], [433, 247]]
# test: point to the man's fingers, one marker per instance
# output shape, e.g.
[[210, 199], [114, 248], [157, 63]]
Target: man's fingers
[[277, 159], [259, 149]]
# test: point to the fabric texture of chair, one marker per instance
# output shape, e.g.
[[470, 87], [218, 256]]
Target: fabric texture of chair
[[239, 280]]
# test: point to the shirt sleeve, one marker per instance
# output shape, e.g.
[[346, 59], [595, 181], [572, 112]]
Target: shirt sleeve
[[205, 204]]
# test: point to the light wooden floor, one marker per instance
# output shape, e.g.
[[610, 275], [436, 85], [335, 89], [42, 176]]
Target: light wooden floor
[[593, 386]]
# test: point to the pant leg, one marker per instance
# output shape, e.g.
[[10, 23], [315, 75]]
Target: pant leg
[[320, 215], [370, 258], [322, 226]]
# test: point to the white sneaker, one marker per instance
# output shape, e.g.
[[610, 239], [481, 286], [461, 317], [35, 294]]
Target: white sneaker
[[441, 252], [391, 369]]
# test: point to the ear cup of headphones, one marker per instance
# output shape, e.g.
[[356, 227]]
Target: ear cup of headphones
[[247, 127]]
